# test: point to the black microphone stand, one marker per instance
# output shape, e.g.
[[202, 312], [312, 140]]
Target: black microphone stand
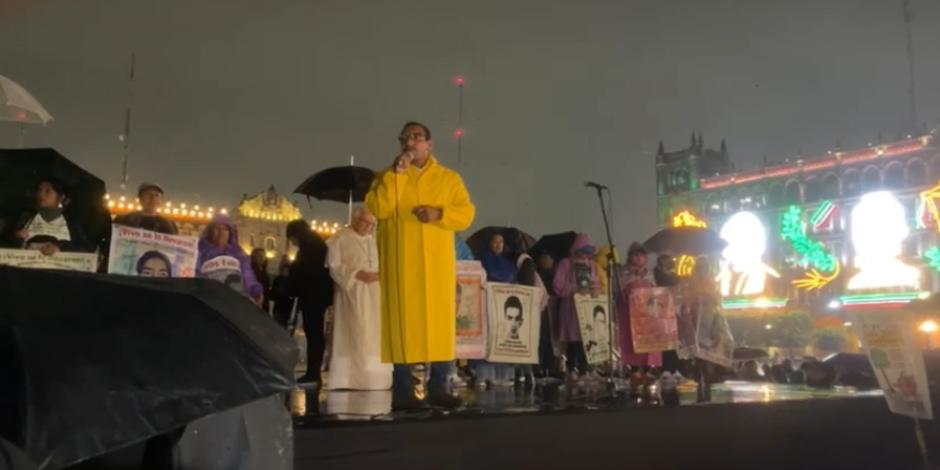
[[611, 301]]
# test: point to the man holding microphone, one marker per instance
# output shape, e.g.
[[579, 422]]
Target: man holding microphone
[[420, 204]]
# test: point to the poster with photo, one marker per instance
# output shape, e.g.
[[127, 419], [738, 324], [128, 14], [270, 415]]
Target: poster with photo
[[593, 320], [713, 340], [471, 310], [86, 262], [139, 252], [888, 340], [514, 323], [225, 269], [653, 320]]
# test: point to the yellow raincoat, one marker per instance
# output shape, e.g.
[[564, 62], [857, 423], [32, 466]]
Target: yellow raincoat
[[417, 261], [600, 261]]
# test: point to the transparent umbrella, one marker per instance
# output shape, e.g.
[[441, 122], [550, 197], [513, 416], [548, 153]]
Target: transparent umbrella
[[19, 106]]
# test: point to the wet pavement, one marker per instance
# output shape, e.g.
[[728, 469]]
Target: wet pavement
[[312, 407]]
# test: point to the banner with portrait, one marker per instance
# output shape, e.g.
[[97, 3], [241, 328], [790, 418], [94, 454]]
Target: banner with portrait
[[514, 322], [653, 320], [86, 262], [888, 340], [471, 310], [139, 252], [593, 320], [713, 340]]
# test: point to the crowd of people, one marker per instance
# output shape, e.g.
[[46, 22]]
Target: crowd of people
[[390, 276]]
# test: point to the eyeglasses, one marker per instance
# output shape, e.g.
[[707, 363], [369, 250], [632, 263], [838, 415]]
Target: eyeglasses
[[417, 136]]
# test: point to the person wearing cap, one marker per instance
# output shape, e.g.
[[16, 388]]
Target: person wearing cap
[[150, 196], [46, 227]]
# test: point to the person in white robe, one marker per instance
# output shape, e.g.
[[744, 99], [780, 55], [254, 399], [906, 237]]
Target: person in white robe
[[356, 360]]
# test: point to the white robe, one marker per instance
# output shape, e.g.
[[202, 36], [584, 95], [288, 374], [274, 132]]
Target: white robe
[[356, 360]]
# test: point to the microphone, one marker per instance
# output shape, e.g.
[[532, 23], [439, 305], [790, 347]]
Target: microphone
[[597, 186]]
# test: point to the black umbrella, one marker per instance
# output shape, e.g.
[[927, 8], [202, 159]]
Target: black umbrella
[[98, 362], [557, 245], [22, 169], [850, 362], [481, 239], [690, 241], [336, 184]]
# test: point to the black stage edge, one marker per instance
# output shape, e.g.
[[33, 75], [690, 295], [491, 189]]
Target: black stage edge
[[827, 433]]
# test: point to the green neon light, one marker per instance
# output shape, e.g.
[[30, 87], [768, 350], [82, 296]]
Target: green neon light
[[884, 298], [821, 213], [758, 303], [811, 251], [932, 255]]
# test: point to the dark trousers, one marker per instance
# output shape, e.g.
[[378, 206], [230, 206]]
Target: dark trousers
[[404, 381], [316, 341], [577, 360], [546, 353], [282, 310]]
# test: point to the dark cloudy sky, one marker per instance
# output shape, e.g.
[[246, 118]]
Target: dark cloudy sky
[[232, 95]]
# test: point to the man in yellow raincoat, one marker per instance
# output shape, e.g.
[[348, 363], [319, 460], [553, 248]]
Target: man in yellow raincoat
[[419, 204]]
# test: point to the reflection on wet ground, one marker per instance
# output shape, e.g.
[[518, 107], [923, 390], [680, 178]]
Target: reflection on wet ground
[[313, 407]]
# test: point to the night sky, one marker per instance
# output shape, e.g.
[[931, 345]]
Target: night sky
[[234, 95]]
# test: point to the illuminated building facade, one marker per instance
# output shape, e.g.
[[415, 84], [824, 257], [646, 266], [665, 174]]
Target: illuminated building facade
[[815, 243]]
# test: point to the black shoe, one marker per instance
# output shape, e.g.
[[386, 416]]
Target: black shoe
[[445, 400], [408, 404]]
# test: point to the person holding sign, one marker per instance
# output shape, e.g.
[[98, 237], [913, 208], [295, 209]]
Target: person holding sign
[[150, 196], [576, 274], [46, 227], [221, 258], [420, 204], [634, 276]]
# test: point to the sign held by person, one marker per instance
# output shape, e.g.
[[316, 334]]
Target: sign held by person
[[888, 340], [86, 262], [471, 310], [653, 320], [514, 323], [593, 320], [139, 252]]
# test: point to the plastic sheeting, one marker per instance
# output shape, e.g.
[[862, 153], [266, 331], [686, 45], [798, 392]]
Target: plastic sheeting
[[108, 361]]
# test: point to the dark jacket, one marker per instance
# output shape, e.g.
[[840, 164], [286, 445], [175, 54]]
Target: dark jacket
[[79, 240], [309, 279]]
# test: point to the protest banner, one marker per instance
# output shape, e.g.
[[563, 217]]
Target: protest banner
[[514, 322], [87, 262], [653, 320], [593, 315], [713, 340], [888, 340], [471, 310], [139, 252]]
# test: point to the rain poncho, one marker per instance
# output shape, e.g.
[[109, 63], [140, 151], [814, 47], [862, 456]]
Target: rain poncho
[[573, 273], [208, 252], [418, 260]]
